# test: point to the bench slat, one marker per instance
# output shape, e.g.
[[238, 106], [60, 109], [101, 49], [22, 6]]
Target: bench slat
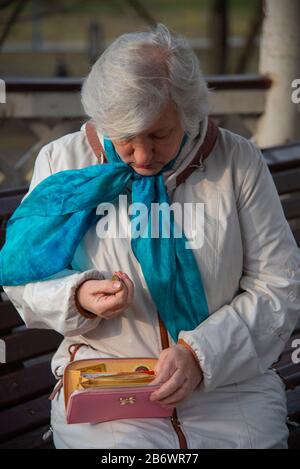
[[15, 191], [293, 404], [287, 181], [282, 157], [296, 233], [24, 417], [2, 237], [30, 440], [290, 373], [30, 343], [9, 204], [26, 384], [9, 317], [291, 205]]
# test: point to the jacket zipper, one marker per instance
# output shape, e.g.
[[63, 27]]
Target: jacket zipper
[[177, 427], [174, 419]]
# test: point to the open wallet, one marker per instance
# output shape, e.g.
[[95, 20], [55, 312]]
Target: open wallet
[[104, 389]]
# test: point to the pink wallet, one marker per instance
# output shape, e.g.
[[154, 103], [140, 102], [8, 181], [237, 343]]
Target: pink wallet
[[98, 404]]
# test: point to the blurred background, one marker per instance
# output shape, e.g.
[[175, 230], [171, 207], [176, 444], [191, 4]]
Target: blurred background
[[46, 48], [63, 37]]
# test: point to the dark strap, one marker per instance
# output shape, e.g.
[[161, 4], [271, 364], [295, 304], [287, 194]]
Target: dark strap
[[203, 152], [163, 334], [174, 418], [95, 143], [72, 349], [196, 163]]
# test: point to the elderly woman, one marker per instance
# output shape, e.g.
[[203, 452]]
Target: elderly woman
[[228, 304]]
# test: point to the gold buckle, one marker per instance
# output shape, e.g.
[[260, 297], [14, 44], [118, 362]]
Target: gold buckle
[[127, 400]]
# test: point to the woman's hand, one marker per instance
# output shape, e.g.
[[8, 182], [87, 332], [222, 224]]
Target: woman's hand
[[105, 298], [179, 374]]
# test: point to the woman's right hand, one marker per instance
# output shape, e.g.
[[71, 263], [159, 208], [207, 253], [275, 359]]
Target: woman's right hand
[[103, 299]]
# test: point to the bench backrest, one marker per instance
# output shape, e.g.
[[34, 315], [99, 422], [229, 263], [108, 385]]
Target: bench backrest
[[26, 379]]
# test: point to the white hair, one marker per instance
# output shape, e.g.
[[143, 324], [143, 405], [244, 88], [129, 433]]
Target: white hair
[[137, 76]]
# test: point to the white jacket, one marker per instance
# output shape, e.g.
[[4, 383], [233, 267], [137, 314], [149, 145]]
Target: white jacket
[[250, 267]]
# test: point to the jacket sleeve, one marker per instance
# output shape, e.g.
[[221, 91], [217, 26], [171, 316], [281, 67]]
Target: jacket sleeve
[[244, 338], [50, 304]]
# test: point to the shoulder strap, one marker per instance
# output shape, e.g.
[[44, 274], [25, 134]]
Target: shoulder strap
[[197, 162], [203, 152], [95, 143]]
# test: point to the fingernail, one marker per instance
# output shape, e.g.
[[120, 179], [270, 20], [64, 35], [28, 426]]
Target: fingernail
[[116, 285]]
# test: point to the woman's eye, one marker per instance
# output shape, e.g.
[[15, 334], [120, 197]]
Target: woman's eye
[[161, 137], [122, 143]]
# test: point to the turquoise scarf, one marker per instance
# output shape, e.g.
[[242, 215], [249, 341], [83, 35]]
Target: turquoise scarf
[[45, 230]]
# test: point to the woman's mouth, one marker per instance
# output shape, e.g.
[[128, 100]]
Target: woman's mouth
[[142, 166]]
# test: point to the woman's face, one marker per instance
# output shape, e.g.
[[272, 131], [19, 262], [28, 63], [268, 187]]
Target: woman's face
[[152, 149]]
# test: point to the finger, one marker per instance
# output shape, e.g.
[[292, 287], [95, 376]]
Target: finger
[[126, 283], [164, 369], [118, 276], [121, 294], [130, 287], [108, 303], [108, 286], [169, 387], [111, 302], [121, 297], [179, 395]]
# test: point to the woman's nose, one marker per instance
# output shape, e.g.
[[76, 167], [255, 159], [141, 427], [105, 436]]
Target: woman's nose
[[143, 153]]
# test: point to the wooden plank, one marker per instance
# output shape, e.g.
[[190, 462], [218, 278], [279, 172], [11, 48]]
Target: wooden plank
[[296, 234], [24, 417], [2, 236], [287, 181], [71, 85], [30, 440], [295, 227], [14, 191], [291, 205], [9, 317], [30, 343], [290, 373], [294, 438], [26, 384], [282, 157], [297, 328], [293, 404], [9, 204]]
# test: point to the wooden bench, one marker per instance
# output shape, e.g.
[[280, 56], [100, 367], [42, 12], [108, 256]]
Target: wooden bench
[[26, 379], [284, 164]]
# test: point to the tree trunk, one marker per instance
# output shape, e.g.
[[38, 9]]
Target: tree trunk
[[280, 60], [219, 35]]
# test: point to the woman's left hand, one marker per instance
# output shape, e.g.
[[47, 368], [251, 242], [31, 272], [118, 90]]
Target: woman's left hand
[[179, 374]]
